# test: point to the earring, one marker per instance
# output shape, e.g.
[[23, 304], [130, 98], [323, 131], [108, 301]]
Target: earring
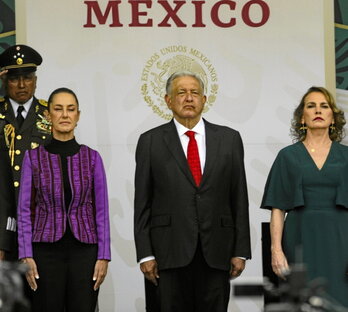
[[332, 127], [303, 127]]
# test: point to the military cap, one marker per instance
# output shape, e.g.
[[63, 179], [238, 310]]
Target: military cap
[[20, 59]]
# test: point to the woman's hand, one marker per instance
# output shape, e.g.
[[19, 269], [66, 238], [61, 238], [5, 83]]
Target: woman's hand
[[279, 263], [32, 274], [100, 270]]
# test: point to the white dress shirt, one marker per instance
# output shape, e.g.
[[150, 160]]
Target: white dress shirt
[[26, 106], [199, 130]]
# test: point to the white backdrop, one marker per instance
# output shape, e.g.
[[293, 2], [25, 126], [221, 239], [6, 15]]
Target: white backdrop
[[256, 76]]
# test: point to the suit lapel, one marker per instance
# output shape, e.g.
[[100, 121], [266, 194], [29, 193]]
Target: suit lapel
[[173, 143], [30, 118], [212, 144]]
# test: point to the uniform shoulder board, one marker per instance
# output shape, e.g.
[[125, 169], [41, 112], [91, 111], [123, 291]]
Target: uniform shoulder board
[[43, 102], [2, 99]]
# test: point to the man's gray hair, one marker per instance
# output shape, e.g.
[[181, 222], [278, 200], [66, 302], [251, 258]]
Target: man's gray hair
[[183, 73]]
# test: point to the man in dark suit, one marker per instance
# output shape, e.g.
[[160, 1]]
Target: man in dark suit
[[191, 218], [22, 126]]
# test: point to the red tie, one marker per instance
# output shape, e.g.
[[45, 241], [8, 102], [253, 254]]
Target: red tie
[[193, 158]]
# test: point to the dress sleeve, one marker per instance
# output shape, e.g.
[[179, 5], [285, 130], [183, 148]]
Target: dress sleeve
[[283, 188], [102, 210]]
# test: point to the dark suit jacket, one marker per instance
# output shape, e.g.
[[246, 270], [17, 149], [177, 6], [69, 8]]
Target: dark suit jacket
[[171, 212]]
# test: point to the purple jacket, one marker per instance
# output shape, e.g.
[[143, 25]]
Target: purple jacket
[[42, 216]]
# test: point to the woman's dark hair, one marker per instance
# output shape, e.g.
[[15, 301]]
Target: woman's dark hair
[[62, 90], [336, 134]]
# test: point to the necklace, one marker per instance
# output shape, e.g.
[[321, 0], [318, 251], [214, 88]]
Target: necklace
[[313, 149]]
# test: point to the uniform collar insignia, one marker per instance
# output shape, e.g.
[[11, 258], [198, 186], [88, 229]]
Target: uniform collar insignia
[[43, 124]]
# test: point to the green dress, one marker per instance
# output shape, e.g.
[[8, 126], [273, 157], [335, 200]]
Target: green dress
[[316, 226]]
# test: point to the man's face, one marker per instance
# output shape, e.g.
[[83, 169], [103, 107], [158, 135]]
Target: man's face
[[186, 100], [20, 88]]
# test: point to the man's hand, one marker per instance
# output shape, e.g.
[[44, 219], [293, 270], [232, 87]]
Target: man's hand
[[149, 268], [237, 267], [32, 274], [100, 270], [3, 73], [2, 255]]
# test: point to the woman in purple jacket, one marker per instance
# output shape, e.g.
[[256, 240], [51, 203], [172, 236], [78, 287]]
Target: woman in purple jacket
[[63, 215]]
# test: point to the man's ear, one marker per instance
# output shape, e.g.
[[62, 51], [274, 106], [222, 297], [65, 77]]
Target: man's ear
[[204, 99], [168, 100]]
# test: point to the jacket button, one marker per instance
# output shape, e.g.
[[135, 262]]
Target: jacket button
[[16, 184], [17, 167], [18, 152], [18, 137]]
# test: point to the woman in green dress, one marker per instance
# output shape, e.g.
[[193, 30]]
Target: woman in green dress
[[308, 183]]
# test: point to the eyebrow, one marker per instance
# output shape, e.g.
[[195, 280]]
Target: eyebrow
[[183, 89]]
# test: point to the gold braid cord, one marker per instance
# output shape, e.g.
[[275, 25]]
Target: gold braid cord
[[9, 132]]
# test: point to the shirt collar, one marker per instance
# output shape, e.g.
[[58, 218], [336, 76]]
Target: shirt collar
[[199, 128], [26, 105]]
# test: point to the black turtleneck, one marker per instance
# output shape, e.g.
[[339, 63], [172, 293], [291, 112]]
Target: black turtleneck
[[64, 149]]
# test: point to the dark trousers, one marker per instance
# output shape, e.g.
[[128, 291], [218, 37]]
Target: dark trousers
[[194, 288], [66, 270]]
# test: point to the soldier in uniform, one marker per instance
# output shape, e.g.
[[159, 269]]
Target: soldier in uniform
[[23, 125]]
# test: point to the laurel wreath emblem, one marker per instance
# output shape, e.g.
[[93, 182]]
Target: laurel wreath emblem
[[167, 61]]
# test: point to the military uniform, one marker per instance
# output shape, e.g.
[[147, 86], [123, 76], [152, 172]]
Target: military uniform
[[34, 131], [7, 209], [20, 62]]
